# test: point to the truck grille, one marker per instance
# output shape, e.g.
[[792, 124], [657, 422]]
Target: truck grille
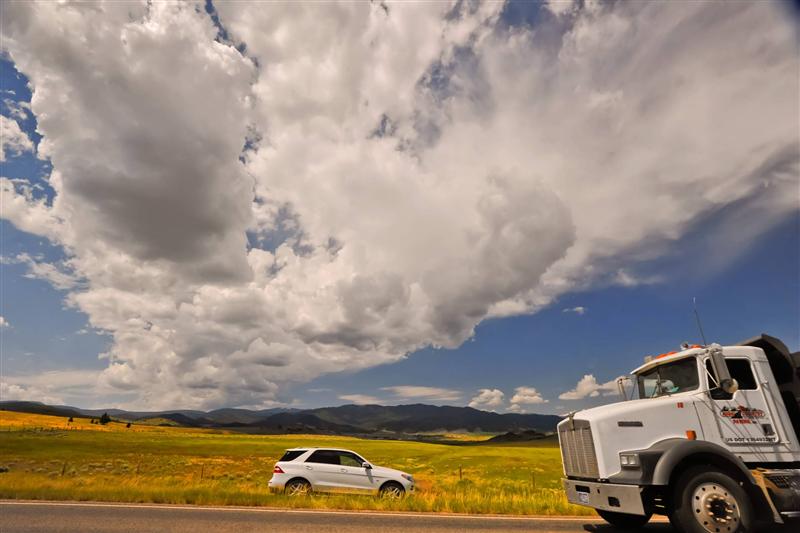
[[577, 449]]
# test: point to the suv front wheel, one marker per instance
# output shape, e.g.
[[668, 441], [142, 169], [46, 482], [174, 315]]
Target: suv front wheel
[[392, 491]]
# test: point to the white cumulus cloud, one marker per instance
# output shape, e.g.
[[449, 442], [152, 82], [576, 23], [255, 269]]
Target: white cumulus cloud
[[487, 399], [13, 141], [50, 386], [527, 395], [363, 182], [561, 7], [361, 399], [423, 393], [588, 387]]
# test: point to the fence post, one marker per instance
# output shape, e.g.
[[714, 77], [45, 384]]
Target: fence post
[[533, 479], [63, 468], [460, 473], [202, 470]]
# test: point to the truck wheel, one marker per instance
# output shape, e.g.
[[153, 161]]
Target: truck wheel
[[624, 520], [709, 501]]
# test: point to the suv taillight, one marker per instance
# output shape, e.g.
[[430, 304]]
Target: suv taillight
[[277, 470]]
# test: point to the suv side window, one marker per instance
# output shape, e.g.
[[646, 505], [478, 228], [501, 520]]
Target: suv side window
[[325, 457], [350, 459], [740, 370], [291, 455]]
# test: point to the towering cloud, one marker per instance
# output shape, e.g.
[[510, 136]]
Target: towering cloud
[[308, 189]]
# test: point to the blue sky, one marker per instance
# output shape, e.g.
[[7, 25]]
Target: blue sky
[[43, 334], [539, 207]]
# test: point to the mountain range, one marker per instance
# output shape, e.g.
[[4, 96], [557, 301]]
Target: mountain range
[[345, 419]]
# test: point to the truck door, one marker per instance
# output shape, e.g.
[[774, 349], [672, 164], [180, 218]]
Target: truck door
[[742, 418]]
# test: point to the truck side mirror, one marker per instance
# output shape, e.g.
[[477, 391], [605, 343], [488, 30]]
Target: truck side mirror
[[724, 379]]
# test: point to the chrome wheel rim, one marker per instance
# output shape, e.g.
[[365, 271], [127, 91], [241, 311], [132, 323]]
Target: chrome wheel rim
[[715, 508], [298, 489], [392, 493]]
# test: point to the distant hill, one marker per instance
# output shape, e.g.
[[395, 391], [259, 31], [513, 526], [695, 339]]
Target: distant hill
[[39, 408], [345, 419], [304, 422], [513, 436], [137, 415], [231, 416], [421, 418]]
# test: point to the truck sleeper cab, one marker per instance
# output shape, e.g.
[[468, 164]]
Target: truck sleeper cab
[[712, 442]]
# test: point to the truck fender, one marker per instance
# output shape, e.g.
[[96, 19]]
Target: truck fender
[[676, 450]]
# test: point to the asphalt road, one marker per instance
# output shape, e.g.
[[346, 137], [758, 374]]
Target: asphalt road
[[61, 517]]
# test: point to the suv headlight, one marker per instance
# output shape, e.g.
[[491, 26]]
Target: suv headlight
[[629, 460], [408, 477]]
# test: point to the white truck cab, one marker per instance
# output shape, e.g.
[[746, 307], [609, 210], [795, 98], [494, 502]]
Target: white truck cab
[[712, 441]]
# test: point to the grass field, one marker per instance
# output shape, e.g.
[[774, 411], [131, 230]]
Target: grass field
[[47, 458]]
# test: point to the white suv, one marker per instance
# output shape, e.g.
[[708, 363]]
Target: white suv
[[302, 470]]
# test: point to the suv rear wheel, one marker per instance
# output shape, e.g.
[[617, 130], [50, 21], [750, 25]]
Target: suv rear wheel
[[297, 487]]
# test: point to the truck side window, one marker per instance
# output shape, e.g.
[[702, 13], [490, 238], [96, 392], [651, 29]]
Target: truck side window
[[740, 371]]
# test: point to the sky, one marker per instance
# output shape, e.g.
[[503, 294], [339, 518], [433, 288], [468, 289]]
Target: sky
[[500, 205]]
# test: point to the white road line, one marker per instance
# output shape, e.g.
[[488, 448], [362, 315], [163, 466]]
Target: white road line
[[300, 511]]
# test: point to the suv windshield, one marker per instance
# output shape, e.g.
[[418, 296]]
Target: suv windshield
[[669, 378]]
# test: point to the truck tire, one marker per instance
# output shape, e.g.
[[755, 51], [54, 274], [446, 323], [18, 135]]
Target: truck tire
[[707, 500], [624, 520]]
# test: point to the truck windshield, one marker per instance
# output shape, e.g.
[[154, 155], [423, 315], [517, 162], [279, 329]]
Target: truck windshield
[[669, 378]]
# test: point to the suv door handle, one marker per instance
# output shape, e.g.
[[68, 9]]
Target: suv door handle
[[309, 468], [343, 470]]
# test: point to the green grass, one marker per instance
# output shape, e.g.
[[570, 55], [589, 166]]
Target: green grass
[[179, 465]]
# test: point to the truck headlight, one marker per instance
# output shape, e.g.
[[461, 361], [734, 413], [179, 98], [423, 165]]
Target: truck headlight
[[629, 460]]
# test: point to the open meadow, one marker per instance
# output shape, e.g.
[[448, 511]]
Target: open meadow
[[48, 458]]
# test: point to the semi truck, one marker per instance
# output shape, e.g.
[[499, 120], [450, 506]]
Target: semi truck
[[708, 438]]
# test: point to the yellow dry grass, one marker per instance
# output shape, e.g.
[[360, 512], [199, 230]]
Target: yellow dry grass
[[48, 458]]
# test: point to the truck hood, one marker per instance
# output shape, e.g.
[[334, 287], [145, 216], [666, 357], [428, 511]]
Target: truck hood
[[637, 425], [626, 408]]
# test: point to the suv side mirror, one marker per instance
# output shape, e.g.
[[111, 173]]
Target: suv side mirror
[[724, 379], [366, 465]]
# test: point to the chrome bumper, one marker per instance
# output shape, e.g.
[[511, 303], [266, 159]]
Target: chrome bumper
[[606, 496]]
